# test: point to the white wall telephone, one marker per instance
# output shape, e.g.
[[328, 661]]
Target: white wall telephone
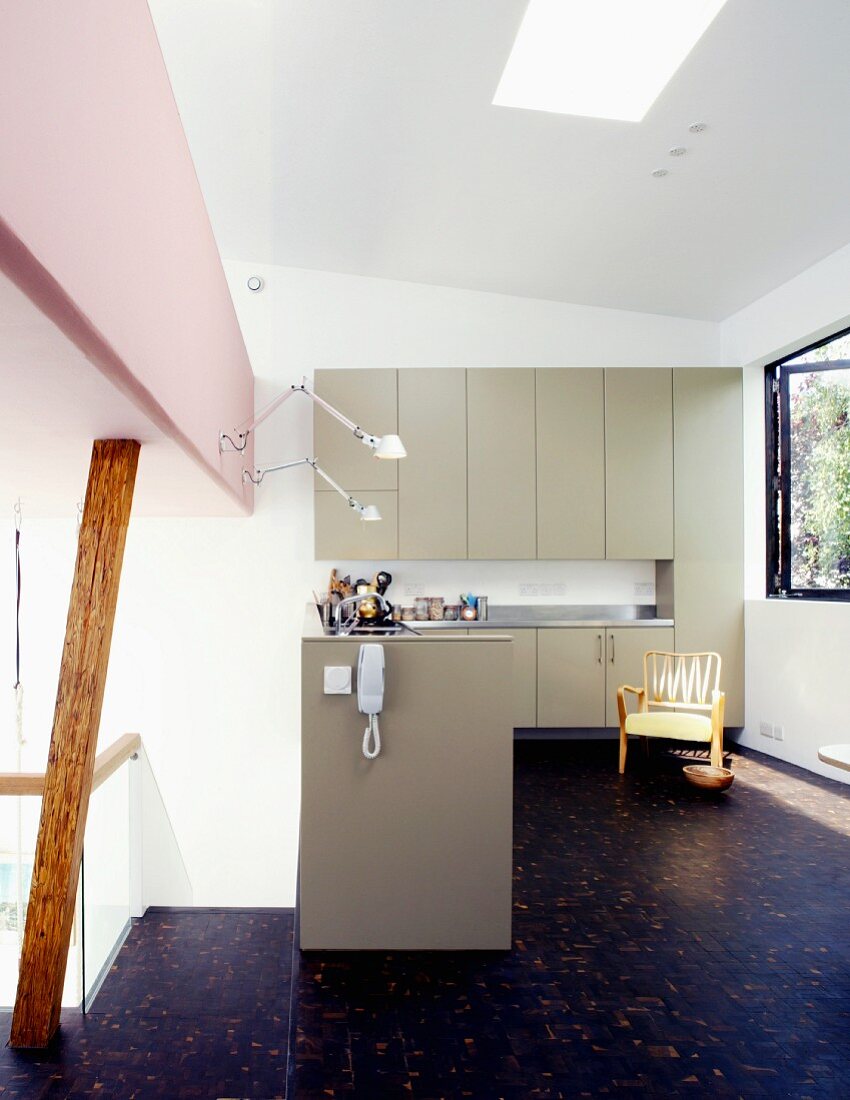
[[370, 694]]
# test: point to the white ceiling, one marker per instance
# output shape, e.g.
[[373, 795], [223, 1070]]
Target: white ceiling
[[44, 452], [360, 137]]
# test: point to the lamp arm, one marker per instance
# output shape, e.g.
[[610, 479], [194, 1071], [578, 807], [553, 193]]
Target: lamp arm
[[243, 430], [352, 503], [260, 473]]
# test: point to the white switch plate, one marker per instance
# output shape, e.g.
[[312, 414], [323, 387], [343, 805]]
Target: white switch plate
[[766, 729], [337, 679], [644, 589], [411, 589], [778, 733]]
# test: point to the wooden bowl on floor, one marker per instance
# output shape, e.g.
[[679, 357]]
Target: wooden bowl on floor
[[708, 777]]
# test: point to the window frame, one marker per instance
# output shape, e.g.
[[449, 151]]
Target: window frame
[[777, 408]]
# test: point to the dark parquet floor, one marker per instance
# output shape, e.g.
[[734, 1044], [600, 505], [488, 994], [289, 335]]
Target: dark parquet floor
[[196, 1007], [667, 943]]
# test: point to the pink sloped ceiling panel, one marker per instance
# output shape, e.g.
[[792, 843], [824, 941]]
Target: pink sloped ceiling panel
[[98, 190]]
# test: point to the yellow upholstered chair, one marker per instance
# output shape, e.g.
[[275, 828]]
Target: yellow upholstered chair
[[680, 699]]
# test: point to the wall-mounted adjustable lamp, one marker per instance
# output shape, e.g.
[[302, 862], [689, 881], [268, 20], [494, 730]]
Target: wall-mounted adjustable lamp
[[384, 446], [368, 512]]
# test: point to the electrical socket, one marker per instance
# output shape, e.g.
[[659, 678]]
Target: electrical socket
[[411, 589], [766, 729], [644, 589], [779, 733], [543, 590]]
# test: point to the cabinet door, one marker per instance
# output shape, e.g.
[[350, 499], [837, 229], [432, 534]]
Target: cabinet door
[[571, 677], [525, 674], [370, 399], [501, 456], [624, 650], [571, 463], [342, 536], [709, 566], [639, 463], [432, 479]]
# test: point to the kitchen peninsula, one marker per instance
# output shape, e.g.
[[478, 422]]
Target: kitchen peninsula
[[411, 850]]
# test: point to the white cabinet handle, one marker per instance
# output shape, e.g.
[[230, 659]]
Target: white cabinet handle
[[599, 639], [611, 636]]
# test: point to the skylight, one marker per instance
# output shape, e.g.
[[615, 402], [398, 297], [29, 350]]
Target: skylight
[[600, 58]]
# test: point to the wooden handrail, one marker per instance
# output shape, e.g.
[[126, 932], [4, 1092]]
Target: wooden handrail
[[106, 762]]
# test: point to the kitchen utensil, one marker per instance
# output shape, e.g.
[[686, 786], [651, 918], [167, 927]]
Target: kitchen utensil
[[481, 606]]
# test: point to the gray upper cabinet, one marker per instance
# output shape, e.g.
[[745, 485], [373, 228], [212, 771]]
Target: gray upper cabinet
[[369, 398], [571, 463], [432, 479], [709, 567], [639, 463], [341, 535], [502, 489]]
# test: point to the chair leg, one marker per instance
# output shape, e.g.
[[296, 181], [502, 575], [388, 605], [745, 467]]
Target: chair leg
[[624, 744], [717, 750]]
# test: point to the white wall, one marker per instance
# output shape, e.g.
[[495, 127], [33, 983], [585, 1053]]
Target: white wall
[[796, 651], [508, 582], [812, 305], [322, 319], [205, 661]]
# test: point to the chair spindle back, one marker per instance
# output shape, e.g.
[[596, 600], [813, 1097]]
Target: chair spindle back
[[681, 679]]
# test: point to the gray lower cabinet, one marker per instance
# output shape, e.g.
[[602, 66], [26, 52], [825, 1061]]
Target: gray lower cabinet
[[525, 675], [342, 536], [624, 650], [580, 668], [571, 677], [501, 485]]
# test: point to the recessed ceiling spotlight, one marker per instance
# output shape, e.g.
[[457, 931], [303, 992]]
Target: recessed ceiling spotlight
[[255, 283], [659, 172], [677, 151], [698, 127]]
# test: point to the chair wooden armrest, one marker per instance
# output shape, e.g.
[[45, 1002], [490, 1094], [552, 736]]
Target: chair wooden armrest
[[621, 698], [622, 712]]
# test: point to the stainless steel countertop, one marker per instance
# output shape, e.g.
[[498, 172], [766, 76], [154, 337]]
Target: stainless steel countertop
[[508, 616]]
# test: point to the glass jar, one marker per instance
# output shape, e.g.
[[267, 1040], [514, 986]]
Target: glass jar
[[451, 612], [408, 614], [420, 609], [435, 609], [397, 609]]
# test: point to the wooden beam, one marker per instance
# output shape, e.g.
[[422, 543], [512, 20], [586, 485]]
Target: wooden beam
[[70, 763]]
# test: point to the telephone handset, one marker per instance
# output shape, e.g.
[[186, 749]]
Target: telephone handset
[[370, 694]]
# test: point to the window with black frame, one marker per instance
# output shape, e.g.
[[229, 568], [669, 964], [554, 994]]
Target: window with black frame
[[808, 472]]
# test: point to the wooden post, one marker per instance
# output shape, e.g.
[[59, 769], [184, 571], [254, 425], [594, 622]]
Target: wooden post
[[70, 764]]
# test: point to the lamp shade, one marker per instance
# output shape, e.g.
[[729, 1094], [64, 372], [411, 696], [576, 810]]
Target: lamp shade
[[390, 446], [370, 513]]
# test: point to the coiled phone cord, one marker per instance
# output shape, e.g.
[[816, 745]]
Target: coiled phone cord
[[372, 734]]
